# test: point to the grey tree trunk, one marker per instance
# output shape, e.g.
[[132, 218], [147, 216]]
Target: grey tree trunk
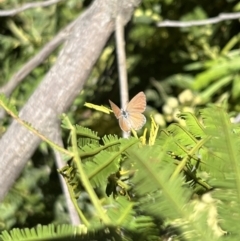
[[60, 86]]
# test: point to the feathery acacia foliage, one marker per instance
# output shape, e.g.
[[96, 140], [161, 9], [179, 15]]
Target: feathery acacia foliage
[[187, 181]]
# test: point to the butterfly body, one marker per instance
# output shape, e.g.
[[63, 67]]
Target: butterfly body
[[131, 117], [124, 114]]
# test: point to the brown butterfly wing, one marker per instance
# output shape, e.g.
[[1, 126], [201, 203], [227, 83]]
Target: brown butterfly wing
[[124, 124], [137, 103], [136, 120], [116, 110]]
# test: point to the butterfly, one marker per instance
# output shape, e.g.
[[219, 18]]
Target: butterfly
[[131, 117]]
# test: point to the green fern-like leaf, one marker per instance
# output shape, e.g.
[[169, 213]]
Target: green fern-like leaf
[[49, 232], [181, 146], [225, 146], [194, 126], [106, 163], [111, 142], [124, 214], [87, 136], [88, 151], [182, 136], [122, 211], [86, 132], [167, 197], [103, 164]]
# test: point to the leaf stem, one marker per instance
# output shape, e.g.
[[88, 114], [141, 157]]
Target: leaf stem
[[84, 179]]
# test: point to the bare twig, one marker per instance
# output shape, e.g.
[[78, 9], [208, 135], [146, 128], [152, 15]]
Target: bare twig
[[12, 12], [121, 56], [36, 60], [179, 24], [60, 163]]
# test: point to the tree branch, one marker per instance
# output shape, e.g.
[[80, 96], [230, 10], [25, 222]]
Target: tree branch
[[12, 12], [122, 68], [179, 24]]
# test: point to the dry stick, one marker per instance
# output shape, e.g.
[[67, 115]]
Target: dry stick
[[179, 24], [122, 69], [60, 164], [12, 12], [36, 60]]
